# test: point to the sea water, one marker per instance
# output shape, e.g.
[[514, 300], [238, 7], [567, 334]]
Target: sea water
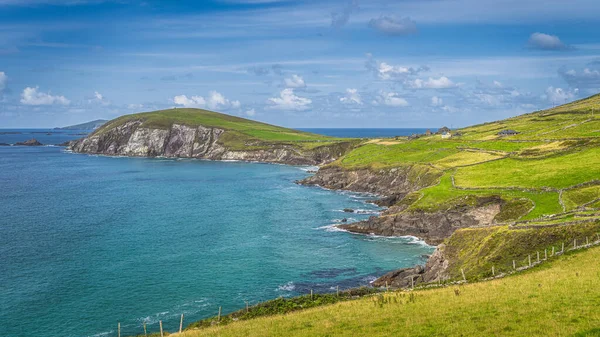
[[90, 241]]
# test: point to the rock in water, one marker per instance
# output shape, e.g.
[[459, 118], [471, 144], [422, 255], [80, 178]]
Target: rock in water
[[31, 142], [348, 210]]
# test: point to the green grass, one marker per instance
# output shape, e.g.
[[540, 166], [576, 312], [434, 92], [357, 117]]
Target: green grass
[[241, 134], [555, 299], [578, 197]]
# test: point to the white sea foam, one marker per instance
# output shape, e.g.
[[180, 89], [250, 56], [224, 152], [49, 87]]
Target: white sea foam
[[331, 228], [290, 286], [361, 211]]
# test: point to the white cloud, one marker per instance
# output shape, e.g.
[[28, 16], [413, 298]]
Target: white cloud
[[385, 71], [99, 99], [3, 80], [251, 112], [389, 99], [587, 78], [394, 26], [287, 100], [135, 106], [31, 96], [295, 82], [560, 96], [214, 101], [436, 101], [432, 83], [352, 97], [546, 42], [191, 102]]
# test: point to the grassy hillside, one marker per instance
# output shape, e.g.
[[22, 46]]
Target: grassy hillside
[[240, 133], [554, 299], [552, 164]]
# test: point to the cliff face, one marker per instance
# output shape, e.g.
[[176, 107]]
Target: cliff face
[[433, 227], [182, 141]]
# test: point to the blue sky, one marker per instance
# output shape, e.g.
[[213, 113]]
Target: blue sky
[[407, 63]]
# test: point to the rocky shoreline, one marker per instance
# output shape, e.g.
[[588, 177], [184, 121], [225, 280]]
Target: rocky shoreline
[[390, 185]]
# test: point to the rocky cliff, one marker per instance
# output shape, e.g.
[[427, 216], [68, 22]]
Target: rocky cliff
[[431, 226], [182, 141]]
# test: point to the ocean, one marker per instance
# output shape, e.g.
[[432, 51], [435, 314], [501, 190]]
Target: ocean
[[90, 241]]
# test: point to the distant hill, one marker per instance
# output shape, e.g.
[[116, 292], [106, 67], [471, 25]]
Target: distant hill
[[93, 125]]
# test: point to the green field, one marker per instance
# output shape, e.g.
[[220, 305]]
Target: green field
[[558, 298]]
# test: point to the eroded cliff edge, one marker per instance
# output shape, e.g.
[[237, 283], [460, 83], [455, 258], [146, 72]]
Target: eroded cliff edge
[[181, 141], [394, 186]]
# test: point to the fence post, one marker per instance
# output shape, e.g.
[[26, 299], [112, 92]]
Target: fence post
[[493, 271], [563, 248], [574, 243], [538, 256], [412, 282], [311, 294], [529, 256], [545, 254], [552, 250], [161, 330], [386, 287], [587, 241], [463, 274], [219, 317], [119, 329], [514, 265], [247, 309], [145, 331], [337, 291], [181, 324]]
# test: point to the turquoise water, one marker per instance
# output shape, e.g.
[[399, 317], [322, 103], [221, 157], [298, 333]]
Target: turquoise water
[[89, 241]]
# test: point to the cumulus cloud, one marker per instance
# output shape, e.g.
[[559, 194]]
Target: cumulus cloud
[[560, 96], [388, 72], [191, 102], [294, 82], [432, 83], [394, 26], [339, 20], [436, 101], [31, 96], [250, 112], [3, 80], [214, 101], [288, 100], [546, 42], [390, 99], [352, 97], [98, 98], [587, 78]]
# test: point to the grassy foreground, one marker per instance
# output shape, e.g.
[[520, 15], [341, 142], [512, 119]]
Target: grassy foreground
[[559, 298]]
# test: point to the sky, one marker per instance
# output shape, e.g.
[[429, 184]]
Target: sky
[[377, 63]]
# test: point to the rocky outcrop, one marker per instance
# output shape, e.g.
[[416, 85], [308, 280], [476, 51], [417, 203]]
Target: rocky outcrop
[[182, 141], [435, 270], [432, 227], [31, 142], [392, 183]]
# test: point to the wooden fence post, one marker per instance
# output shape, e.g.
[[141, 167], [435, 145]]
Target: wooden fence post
[[463, 274], [145, 331], [219, 317], [529, 256], [574, 243], [161, 330], [412, 282], [563, 248], [181, 324], [311, 294], [552, 250], [247, 308], [587, 241], [337, 291], [493, 271], [538, 256], [545, 254], [514, 265], [119, 329]]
